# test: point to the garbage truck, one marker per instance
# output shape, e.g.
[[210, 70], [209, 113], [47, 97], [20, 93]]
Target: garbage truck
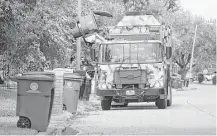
[[134, 64]]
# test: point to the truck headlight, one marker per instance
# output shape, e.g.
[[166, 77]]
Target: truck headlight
[[157, 85], [104, 83], [109, 86], [104, 86]]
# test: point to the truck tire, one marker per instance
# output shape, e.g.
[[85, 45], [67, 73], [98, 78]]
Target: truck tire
[[214, 80], [106, 104], [162, 103], [169, 91], [169, 101]]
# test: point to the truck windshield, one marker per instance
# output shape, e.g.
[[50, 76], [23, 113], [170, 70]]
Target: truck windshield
[[131, 53]]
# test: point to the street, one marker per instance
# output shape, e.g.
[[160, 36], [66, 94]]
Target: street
[[192, 113]]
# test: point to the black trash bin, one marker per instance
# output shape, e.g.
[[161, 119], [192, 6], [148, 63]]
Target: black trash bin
[[81, 73], [35, 95], [85, 89]]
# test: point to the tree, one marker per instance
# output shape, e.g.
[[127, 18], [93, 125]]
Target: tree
[[40, 31], [157, 8], [206, 45], [183, 28], [6, 17]]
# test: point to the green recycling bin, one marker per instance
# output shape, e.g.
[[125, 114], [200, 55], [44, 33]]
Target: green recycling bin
[[71, 91], [35, 95]]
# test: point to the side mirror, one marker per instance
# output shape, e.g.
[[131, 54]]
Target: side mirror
[[168, 52], [93, 54]]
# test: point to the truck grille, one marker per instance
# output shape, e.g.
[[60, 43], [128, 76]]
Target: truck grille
[[130, 77]]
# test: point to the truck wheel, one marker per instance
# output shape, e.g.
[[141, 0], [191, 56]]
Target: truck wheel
[[169, 101], [162, 103], [214, 80], [106, 104]]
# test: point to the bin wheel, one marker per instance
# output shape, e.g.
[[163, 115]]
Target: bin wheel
[[64, 107], [24, 122]]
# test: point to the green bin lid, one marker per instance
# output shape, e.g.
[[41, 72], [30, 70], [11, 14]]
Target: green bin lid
[[35, 77]]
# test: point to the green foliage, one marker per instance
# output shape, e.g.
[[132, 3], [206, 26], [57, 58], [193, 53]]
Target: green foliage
[[6, 17], [40, 31], [157, 8], [183, 27], [38, 34]]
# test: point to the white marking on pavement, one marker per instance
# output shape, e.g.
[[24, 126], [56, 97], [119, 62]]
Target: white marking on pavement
[[200, 109]]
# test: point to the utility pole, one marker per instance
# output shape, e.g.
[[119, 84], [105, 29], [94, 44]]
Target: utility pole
[[192, 52], [192, 56], [78, 45]]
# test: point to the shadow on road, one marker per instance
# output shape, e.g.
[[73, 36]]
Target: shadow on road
[[70, 131], [208, 83], [150, 107], [144, 107]]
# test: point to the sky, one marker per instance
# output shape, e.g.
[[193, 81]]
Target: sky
[[205, 8]]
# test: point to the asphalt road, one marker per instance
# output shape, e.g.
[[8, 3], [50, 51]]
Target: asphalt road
[[192, 113]]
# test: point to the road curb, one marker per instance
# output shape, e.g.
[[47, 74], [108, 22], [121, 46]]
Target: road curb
[[54, 131], [48, 132], [57, 125]]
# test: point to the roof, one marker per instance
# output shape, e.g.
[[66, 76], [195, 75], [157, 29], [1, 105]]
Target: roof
[[139, 20]]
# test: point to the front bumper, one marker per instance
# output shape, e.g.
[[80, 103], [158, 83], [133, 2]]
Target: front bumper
[[138, 92]]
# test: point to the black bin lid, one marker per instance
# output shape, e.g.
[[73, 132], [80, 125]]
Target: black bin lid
[[72, 76], [80, 72]]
